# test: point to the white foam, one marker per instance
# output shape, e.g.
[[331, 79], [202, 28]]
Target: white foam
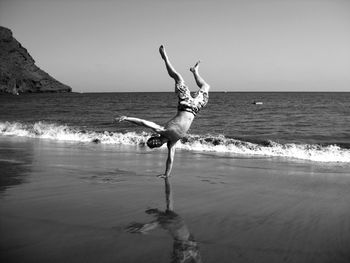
[[65, 133], [331, 153]]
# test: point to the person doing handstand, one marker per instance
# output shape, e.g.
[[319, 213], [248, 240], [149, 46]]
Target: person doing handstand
[[188, 107]]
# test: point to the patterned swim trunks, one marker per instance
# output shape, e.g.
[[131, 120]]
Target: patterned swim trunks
[[189, 103]]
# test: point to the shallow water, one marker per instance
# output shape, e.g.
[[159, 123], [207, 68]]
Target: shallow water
[[308, 126], [284, 117]]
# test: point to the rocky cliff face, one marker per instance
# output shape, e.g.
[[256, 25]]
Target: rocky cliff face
[[18, 72]]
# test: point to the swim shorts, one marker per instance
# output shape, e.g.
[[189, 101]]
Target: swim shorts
[[189, 103]]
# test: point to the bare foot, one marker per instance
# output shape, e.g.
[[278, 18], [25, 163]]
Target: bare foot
[[162, 52], [195, 67]]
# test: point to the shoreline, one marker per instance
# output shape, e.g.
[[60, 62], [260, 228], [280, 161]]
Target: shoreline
[[73, 202]]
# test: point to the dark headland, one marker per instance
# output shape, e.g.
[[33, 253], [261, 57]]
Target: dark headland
[[18, 72]]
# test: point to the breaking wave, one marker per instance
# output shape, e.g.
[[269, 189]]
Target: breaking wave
[[217, 143]]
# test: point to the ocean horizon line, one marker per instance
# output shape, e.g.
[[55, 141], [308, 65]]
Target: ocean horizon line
[[88, 92]]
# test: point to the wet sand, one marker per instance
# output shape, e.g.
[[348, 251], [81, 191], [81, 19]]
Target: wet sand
[[69, 202]]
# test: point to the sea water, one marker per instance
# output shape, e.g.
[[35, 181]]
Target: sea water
[[307, 126]]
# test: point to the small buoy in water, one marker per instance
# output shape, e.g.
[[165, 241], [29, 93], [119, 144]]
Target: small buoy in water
[[257, 102]]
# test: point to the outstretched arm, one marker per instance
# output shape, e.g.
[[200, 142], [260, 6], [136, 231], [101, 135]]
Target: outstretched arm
[[149, 124]]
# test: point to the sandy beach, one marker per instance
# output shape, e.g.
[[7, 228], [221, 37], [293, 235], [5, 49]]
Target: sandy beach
[[85, 202]]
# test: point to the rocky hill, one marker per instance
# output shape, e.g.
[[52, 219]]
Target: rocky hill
[[18, 72]]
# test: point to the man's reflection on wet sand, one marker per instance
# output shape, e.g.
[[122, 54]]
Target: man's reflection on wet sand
[[185, 248]]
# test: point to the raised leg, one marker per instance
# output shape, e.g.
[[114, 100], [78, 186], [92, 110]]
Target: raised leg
[[199, 80], [171, 71]]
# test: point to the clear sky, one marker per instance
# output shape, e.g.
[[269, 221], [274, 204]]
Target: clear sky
[[244, 45]]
